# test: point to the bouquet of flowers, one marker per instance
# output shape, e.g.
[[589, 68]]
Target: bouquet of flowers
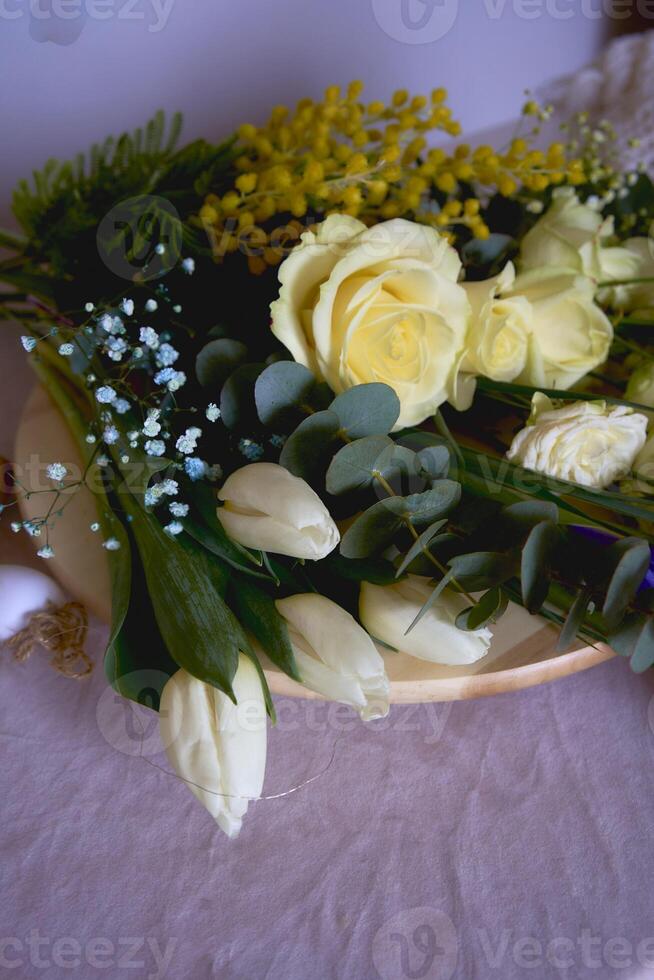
[[338, 390]]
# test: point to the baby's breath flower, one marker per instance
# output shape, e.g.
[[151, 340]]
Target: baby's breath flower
[[89, 307], [94, 526], [16, 526], [151, 426], [188, 265], [214, 472], [121, 405], [127, 306], [90, 438], [160, 249], [66, 350], [212, 412], [103, 460], [151, 305], [251, 450], [177, 509], [46, 552], [155, 447], [111, 544], [173, 380], [166, 355], [186, 444], [29, 343], [105, 395], [170, 487], [174, 528], [56, 472], [116, 348], [110, 435], [195, 467], [278, 441], [149, 337]]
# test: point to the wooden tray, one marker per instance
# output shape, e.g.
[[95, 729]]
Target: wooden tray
[[521, 655]]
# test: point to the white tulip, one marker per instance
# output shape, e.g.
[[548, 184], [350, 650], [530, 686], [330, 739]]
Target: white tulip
[[387, 611], [217, 747], [588, 443], [334, 655], [267, 508]]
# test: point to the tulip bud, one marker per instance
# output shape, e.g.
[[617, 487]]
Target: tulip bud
[[267, 508], [387, 611], [335, 656], [217, 747]]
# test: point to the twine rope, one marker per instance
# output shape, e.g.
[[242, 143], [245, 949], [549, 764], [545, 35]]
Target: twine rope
[[62, 631]]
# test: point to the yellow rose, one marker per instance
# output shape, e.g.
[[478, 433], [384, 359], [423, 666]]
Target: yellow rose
[[568, 236], [361, 304], [570, 335], [498, 341], [633, 260]]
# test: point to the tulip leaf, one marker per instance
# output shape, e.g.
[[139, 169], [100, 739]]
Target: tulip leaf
[[308, 449], [136, 663], [280, 390], [217, 360], [488, 609], [187, 586], [535, 563], [367, 410], [373, 530], [203, 525], [482, 569], [258, 613], [631, 558], [237, 405]]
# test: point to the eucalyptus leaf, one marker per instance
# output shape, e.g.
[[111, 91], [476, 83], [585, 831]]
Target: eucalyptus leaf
[[309, 448], [439, 588], [624, 637], [482, 569], [574, 619], [633, 558], [420, 545], [489, 608], [237, 405], [535, 564], [420, 508], [281, 390], [643, 656], [217, 360], [367, 410], [375, 529]]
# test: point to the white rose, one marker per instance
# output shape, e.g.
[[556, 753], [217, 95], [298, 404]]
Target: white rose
[[585, 442], [570, 336], [387, 611], [217, 747], [568, 236], [642, 480], [498, 339], [334, 655], [267, 508], [361, 304]]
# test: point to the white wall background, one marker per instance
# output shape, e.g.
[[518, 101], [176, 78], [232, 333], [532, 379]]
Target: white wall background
[[68, 77]]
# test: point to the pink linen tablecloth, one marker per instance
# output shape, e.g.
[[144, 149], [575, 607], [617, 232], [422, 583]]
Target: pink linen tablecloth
[[509, 837]]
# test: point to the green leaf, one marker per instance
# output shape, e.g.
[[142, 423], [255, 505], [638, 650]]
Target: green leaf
[[237, 406], [527, 513], [488, 609], [419, 545], [203, 525], [623, 639], [186, 586], [374, 530], [633, 558], [217, 360], [258, 613], [574, 620], [442, 585], [535, 564], [280, 390], [378, 571], [367, 410], [420, 508], [357, 465], [307, 450], [482, 569]]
